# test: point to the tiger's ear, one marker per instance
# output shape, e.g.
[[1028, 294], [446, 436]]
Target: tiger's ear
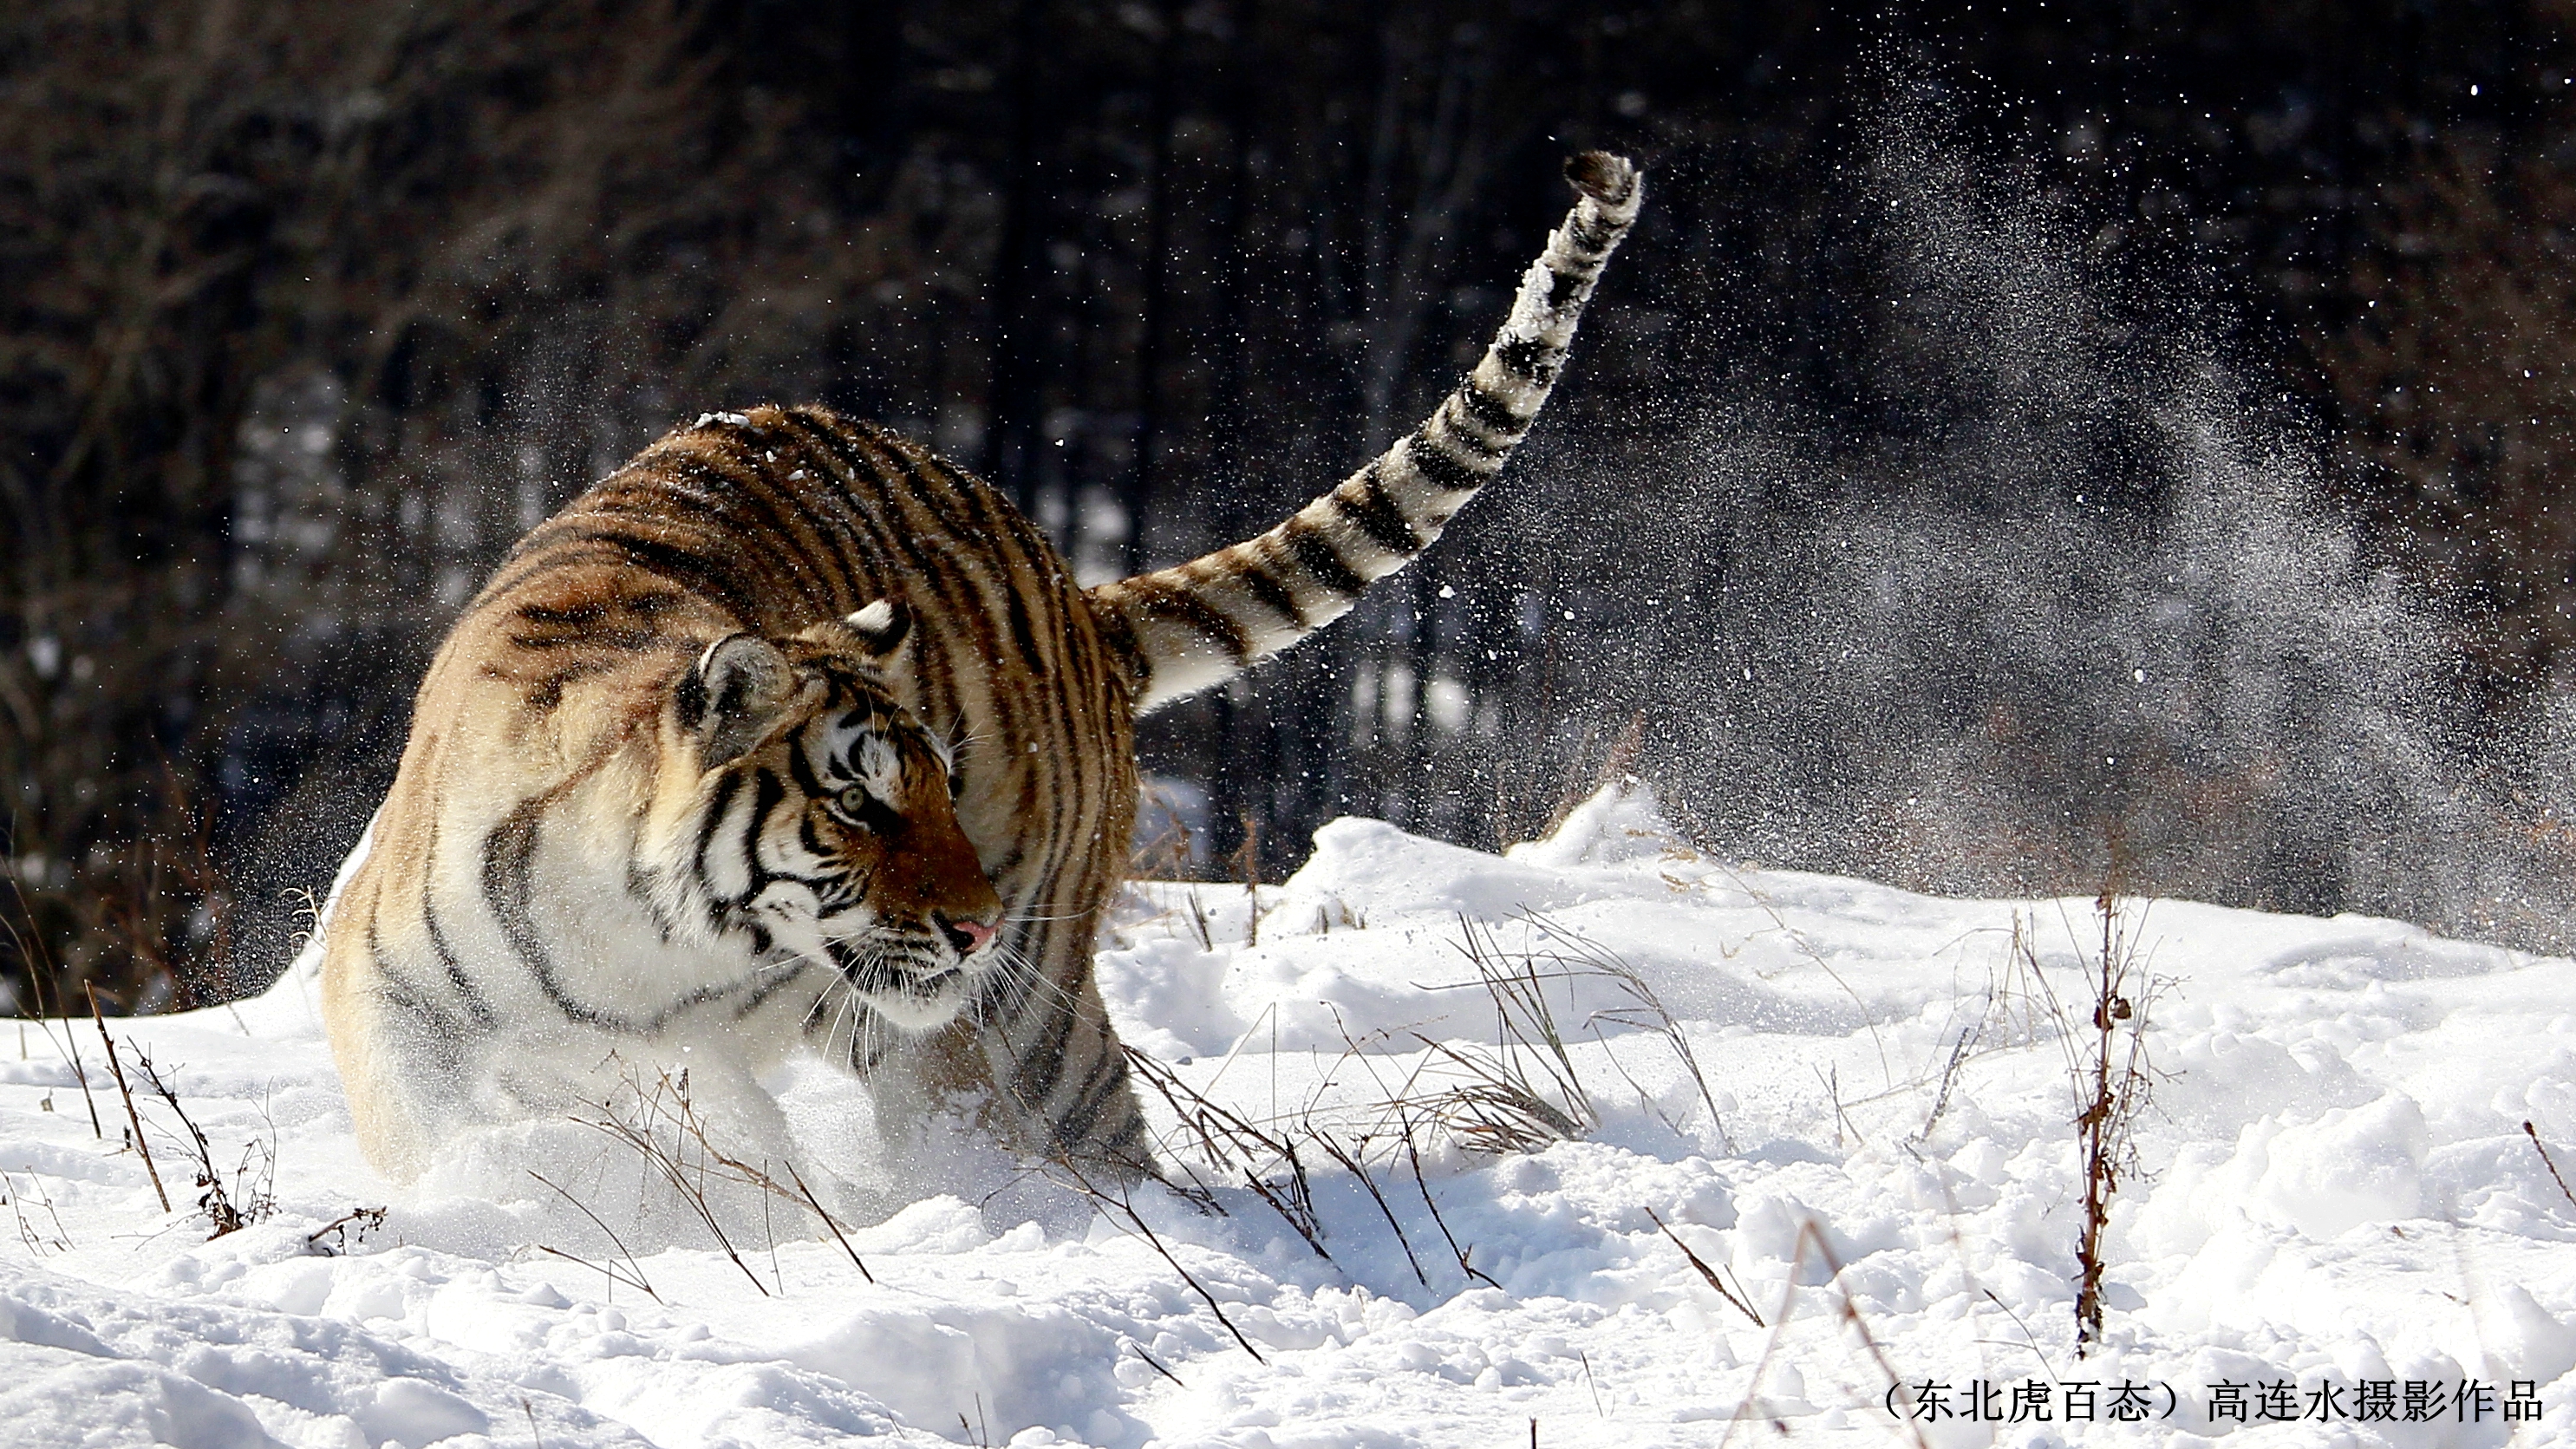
[[881, 627], [730, 697]]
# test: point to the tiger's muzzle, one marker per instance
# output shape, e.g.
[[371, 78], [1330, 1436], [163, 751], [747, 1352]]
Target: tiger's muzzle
[[917, 980]]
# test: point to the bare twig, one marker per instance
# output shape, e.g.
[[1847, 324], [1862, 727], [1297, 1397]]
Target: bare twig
[[132, 1117], [253, 1181], [632, 1277], [1811, 1235], [690, 1159], [677, 1174], [2111, 1085], [40, 965], [1199, 921], [27, 1233], [1233, 1145], [360, 1220]]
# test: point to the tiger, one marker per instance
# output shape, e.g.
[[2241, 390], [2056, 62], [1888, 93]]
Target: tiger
[[790, 735]]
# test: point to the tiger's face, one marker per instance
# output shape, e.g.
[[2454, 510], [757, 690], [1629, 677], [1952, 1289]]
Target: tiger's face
[[827, 829]]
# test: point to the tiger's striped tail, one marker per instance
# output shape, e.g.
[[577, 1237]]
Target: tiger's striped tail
[[1203, 622]]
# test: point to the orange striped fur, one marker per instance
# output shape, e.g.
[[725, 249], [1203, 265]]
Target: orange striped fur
[[791, 733]]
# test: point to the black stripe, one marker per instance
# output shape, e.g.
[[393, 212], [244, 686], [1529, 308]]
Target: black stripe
[[726, 788], [767, 794], [634, 641], [1493, 412], [1377, 516], [690, 570], [1455, 435], [575, 617], [547, 693], [1317, 556], [399, 990], [509, 862], [1443, 470], [1108, 1075], [760, 998], [476, 1007], [1593, 238], [1035, 1074], [1119, 636], [1181, 605], [792, 560], [1528, 357], [478, 1010], [828, 529], [639, 889], [1257, 581]]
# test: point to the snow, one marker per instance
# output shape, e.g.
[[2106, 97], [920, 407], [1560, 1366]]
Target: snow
[[2336, 1189]]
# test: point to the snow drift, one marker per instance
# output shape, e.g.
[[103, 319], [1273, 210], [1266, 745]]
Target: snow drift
[[1849, 1096]]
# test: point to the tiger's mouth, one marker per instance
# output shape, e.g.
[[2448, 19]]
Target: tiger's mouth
[[905, 983]]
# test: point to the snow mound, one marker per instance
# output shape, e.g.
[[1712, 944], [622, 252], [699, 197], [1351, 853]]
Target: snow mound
[[1849, 1103]]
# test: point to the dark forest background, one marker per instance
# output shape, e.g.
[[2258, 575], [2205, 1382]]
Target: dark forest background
[[2024, 445]]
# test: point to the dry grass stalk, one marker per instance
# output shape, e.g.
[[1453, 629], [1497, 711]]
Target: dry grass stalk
[[1199, 921], [689, 1161], [1108, 1203], [1232, 1145], [1950, 1069], [41, 966], [1413, 1154], [1154, 1363], [1811, 1236], [632, 1276], [1495, 1106], [132, 1117], [1646, 1012], [1357, 1163], [27, 1234], [2546, 1161], [1705, 1271], [1807, 948]]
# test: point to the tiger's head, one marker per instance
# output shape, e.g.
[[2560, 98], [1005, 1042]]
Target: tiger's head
[[823, 824]]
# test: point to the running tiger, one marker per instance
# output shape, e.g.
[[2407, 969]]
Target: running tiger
[[789, 732]]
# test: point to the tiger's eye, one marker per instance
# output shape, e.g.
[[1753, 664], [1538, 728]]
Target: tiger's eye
[[853, 800]]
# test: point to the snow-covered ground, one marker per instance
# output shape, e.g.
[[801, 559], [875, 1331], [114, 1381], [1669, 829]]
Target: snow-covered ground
[[2338, 1206]]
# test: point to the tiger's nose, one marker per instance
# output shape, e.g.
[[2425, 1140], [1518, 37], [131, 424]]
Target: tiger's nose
[[967, 936]]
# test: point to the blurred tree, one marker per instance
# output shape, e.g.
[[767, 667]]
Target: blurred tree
[[307, 310]]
